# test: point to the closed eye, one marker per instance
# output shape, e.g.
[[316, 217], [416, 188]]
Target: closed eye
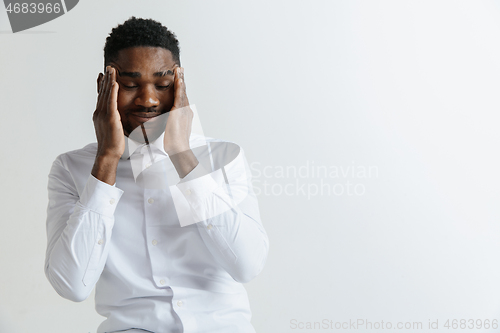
[[130, 87], [133, 87]]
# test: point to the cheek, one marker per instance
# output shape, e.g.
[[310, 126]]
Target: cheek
[[168, 98], [124, 100]]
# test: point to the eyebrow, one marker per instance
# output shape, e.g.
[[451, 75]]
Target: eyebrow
[[137, 74]]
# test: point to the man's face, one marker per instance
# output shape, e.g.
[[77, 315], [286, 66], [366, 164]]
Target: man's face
[[146, 84]]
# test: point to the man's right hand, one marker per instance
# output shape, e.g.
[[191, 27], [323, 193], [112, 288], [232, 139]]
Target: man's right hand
[[108, 128]]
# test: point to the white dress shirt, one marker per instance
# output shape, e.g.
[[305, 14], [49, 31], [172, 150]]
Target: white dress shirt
[[165, 255]]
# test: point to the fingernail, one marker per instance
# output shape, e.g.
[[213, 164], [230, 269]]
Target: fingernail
[[182, 70]]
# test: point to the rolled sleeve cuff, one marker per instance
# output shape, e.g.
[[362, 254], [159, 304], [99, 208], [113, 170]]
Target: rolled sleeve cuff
[[196, 190], [100, 197]]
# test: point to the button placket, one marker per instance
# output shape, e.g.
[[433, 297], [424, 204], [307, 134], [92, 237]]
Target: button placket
[[154, 208]]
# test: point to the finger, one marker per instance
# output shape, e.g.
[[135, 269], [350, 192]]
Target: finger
[[107, 91], [99, 82], [103, 82], [183, 82], [176, 88], [100, 98], [179, 89], [113, 98], [181, 77], [103, 89]]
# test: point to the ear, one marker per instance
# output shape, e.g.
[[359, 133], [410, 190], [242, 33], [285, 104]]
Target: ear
[[99, 80]]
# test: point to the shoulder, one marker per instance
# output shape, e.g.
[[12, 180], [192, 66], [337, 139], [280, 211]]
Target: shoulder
[[197, 140], [84, 154], [218, 147], [70, 170], [218, 152], [201, 139]]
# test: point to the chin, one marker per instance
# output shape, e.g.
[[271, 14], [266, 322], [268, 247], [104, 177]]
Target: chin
[[149, 130]]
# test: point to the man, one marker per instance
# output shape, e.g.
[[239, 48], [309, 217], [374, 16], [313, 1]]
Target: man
[[163, 222]]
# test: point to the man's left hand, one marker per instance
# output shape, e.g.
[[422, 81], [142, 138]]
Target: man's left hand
[[180, 118], [178, 129]]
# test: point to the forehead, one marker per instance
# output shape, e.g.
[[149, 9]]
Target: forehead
[[144, 59]]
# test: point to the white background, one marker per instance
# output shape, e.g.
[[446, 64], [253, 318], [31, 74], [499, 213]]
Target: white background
[[408, 87]]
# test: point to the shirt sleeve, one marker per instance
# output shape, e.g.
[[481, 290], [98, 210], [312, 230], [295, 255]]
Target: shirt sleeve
[[79, 229], [222, 204]]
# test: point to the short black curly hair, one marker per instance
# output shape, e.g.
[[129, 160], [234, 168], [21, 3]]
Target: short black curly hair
[[140, 32]]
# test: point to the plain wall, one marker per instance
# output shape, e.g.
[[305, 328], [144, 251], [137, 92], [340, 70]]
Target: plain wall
[[397, 100]]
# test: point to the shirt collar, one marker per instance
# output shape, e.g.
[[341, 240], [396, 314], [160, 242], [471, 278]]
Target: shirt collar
[[132, 147]]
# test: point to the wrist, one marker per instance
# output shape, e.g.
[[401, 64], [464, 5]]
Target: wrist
[[104, 168], [177, 150], [184, 162], [108, 158], [108, 155]]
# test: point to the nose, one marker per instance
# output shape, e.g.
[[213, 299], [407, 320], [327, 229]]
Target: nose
[[147, 98]]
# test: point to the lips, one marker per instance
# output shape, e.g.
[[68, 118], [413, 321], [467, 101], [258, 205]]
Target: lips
[[144, 117]]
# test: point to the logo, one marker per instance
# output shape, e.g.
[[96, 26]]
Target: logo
[[26, 15]]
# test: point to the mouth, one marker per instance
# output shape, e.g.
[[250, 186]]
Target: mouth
[[144, 117]]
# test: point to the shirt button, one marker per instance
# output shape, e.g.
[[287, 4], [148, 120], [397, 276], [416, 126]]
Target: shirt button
[[148, 165], [162, 282], [188, 191], [209, 226], [151, 200], [112, 201], [179, 303], [154, 242], [100, 242]]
